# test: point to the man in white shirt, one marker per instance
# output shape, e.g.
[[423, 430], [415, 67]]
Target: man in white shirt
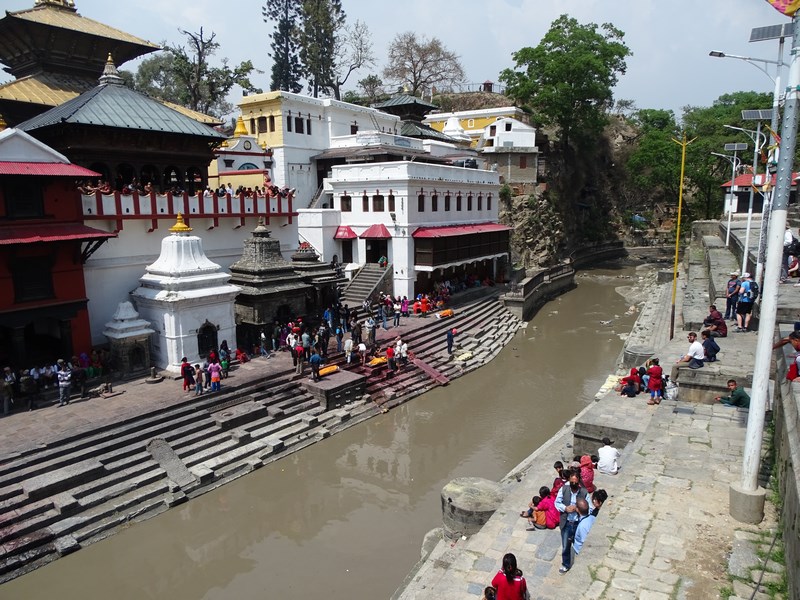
[[694, 357], [608, 456]]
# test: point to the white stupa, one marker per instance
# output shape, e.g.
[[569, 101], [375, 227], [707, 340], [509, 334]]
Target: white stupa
[[187, 300], [453, 128]]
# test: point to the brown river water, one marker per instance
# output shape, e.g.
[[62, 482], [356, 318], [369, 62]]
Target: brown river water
[[345, 518]]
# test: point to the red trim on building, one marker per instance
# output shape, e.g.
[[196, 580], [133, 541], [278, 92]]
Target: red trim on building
[[49, 169], [343, 232], [376, 232], [28, 234], [747, 178], [436, 232]]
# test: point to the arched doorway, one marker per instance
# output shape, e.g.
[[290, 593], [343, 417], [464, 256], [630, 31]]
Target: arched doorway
[[194, 180], [125, 175], [206, 339]]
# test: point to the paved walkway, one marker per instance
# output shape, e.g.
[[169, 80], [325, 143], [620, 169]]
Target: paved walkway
[[665, 531]]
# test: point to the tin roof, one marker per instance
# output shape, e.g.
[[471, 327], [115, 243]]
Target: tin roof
[[111, 104], [54, 232], [46, 169], [49, 89]]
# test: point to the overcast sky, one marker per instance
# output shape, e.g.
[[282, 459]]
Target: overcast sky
[[670, 67]]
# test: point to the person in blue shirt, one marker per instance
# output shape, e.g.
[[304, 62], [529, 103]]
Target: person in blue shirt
[[585, 522], [316, 362], [744, 308]]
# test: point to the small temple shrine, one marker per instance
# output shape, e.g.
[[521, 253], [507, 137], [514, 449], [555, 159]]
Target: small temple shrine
[[187, 299], [270, 289]]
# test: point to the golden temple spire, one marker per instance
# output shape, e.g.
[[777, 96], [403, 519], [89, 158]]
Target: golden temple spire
[[180, 226], [240, 128]]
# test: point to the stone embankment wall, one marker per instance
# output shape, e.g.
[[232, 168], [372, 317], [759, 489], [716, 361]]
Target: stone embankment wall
[[786, 418], [530, 294]]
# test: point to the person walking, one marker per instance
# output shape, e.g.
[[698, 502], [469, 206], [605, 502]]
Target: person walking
[[215, 372], [566, 503], [316, 362], [451, 334]]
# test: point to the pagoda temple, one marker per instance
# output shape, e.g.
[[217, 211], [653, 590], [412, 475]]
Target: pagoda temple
[[55, 54]]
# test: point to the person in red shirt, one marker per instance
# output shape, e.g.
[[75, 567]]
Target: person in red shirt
[[509, 582], [561, 478], [390, 358]]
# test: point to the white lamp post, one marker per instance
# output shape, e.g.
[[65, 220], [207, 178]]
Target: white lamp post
[[735, 164]]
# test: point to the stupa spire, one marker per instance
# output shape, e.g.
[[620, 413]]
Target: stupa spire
[[110, 74], [180, 226]]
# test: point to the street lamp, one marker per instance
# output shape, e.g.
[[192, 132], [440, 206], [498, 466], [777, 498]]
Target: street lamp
[[759, 139], [760, 34], [735, 164]]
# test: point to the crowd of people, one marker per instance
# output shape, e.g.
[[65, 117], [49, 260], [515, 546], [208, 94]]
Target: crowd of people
[[26, 387], [572, 504], [103, 186]]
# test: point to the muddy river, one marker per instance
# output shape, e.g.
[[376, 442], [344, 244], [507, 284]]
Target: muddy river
[[345, 518]]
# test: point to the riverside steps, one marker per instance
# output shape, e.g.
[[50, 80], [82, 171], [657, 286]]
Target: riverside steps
[[74, 475], [665, 531]]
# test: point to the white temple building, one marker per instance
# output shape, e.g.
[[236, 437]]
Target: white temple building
[[187, 300]]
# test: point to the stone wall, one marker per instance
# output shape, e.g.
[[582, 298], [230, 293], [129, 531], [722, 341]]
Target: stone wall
[[787, 462]]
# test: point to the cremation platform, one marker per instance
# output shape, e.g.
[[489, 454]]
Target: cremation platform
[[337, 388]]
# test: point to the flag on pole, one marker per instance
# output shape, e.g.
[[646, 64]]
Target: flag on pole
[[787, 7]]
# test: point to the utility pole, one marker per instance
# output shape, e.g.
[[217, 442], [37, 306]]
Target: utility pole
[[683, 143], [747, 498]]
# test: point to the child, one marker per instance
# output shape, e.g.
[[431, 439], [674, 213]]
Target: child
[[559, 480], [489, 593], [598, 498], [538, 520], [587, 473], [198, 386]]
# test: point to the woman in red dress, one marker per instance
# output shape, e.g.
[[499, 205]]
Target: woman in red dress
[[509, 582], [656, 382]]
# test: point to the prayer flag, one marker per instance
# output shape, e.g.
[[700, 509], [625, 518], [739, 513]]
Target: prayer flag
[[787, 7]]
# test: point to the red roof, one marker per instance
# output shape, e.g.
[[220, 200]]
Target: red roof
[[343, 232], [40, 168], [746, 179], [436, 232], [51, 232], [376, 232]]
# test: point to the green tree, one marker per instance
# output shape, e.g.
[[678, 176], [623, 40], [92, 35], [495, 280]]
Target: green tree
[[287, 71], [372, 86], [322, 22], [569, 77], [186, 77], [705, 173], [420, 64], [654, 164]]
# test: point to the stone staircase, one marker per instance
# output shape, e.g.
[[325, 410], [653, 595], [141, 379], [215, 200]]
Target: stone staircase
[[56, 499], [364, 285]]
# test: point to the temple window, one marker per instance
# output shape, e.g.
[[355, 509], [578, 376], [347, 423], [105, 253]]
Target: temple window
[[262, 124], [469, 202], [447, 203], [421, 203], [33, 278], [272, 123], [434, 203], [458, 202], [346, 203], [24, 199], [480, 202], [365, 203], [377, 203], [391, 202], [298, 124], [288, 123]]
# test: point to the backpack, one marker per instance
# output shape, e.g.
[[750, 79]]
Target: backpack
[[754, 291]]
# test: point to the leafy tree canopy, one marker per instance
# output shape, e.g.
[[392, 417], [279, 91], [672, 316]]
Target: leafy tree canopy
[[186, 77], [569, 77]]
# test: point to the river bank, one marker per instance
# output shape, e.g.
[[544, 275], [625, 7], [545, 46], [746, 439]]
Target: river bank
[[665, 531], [362, 499]]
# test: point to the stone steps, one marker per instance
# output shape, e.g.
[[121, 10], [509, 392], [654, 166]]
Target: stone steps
[[126, 483]]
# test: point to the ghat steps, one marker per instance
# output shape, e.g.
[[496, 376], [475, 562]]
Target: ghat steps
[[56, 499]]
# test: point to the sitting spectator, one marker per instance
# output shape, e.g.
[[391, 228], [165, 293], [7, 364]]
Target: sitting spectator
[[547, 505], [608, 458], [561, 478], [710, 347], [715, 323], [587, 473], [694, 357], [794, 267], [738, 396], [537, 519], [241, 356], [631, 384]]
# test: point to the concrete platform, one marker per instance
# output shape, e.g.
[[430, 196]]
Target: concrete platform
[[337, 388]]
